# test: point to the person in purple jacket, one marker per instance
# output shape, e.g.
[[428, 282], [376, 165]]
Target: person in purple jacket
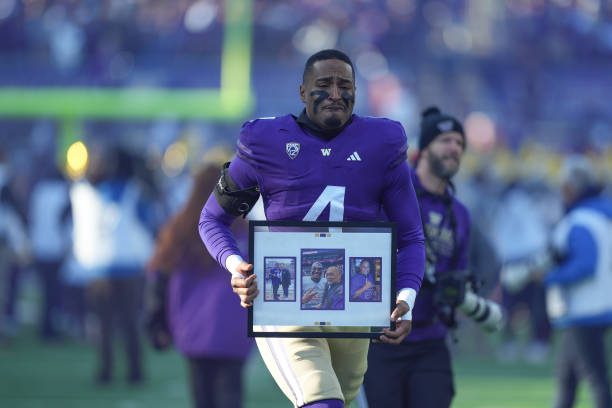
[[275, 278], [326, 164], [363, 287], [418, 372], [201, 317]]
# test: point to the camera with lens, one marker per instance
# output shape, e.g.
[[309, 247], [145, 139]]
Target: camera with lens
[[458, 291]]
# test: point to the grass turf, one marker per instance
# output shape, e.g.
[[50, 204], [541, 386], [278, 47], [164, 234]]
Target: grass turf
[[34, 375]]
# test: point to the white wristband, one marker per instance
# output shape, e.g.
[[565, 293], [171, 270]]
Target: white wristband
[[231, 264], [408, 295]]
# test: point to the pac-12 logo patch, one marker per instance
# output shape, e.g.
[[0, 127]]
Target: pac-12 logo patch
[[292, 149]]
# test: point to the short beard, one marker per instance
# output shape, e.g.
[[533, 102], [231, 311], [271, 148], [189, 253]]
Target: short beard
[[439, 170], [332, 122]]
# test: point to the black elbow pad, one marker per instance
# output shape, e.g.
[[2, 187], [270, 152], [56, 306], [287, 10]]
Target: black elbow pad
[[232, 199]]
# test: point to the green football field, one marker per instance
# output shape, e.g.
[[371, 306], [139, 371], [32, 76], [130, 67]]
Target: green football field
[[35, 375]]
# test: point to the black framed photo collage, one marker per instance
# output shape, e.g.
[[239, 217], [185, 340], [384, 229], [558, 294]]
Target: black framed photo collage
[[322, 279]]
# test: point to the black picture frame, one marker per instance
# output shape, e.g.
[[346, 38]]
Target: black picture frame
[[318, 240]]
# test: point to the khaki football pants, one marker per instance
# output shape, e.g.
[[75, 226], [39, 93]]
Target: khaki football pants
[[309, 370]]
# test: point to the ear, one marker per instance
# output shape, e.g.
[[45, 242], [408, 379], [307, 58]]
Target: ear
[[303, 93]]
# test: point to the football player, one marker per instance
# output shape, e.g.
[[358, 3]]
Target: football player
[[325, 164]]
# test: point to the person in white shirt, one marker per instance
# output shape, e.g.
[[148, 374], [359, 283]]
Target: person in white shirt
[[313, 287]]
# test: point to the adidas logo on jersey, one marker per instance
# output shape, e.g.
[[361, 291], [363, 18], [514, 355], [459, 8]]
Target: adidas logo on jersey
[[354, 157]]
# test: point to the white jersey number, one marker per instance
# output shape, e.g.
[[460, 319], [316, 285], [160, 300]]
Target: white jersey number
[[332, 195]]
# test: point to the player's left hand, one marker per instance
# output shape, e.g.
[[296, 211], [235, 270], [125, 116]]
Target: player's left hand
[[402, 327]]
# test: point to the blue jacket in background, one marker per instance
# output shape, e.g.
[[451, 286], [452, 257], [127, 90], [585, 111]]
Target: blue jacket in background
[[580, 285]]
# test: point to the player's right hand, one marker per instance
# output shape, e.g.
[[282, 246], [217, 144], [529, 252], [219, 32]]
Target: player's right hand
[[245, 286]]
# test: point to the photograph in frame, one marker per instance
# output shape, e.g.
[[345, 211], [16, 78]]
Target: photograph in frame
[[325, 251], [322, 277], [279, 279], [365, 279]]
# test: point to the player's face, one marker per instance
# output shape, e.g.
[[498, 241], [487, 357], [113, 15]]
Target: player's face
[[444, 154], [315, 273], [364, 268], [328, 92], [332, 275]]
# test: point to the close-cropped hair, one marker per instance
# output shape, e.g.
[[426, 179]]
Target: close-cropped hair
[[325, 55]]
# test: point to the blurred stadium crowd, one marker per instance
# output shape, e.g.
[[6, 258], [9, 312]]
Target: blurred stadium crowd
[[529, 78], [536, 69]]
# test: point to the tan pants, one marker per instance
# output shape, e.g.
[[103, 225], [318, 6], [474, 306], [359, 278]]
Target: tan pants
[[309, 370]]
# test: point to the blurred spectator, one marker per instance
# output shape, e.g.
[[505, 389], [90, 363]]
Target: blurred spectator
[[14, 249], [483, 262], [112, 243], [579, 285], [517, 215], [456, 50], [205, 321], [75, 308], [50, 235]]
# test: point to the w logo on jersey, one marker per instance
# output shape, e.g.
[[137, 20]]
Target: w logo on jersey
[[292, 149], [325, 152]]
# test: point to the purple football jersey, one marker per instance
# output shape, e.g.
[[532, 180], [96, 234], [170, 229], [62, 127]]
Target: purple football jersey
[[450, 244], [359, 175]]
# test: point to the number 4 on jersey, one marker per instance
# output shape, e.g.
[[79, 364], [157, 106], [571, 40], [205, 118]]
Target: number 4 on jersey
[[332, 195]]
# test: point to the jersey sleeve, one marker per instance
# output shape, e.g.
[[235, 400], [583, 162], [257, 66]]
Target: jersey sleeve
[[215, 222], [401, 206]]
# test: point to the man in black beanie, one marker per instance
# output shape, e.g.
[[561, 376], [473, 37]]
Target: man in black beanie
[[418, 372], [433, 124]]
